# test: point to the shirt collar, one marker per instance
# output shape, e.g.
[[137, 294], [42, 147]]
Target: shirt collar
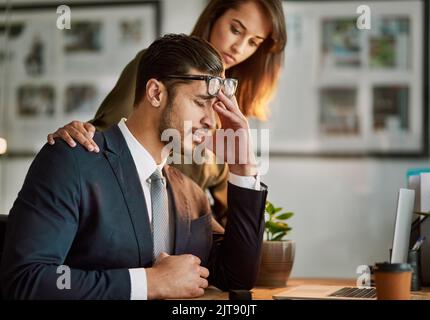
[[145, 163]]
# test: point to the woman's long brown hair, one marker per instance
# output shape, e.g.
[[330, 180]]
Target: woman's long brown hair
[[258, 75]]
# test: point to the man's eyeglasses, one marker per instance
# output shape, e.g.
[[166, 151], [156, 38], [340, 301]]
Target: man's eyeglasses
[[214, 84]]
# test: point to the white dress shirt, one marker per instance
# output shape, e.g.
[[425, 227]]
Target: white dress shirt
[[146, 165]]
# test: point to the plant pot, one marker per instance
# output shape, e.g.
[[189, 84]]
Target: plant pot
[[276, 263]]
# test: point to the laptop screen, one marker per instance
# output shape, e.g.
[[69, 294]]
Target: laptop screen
[[402, 228]]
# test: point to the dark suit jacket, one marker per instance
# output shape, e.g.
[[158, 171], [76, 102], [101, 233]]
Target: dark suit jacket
[[87, 211]]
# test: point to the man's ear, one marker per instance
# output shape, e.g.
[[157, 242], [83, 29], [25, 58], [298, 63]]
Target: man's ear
[[155, 91]]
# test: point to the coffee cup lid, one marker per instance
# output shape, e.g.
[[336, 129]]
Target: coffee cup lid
[[392, 267]]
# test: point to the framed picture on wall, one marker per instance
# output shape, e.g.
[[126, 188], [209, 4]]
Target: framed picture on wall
[[51, 76], [346, 91]]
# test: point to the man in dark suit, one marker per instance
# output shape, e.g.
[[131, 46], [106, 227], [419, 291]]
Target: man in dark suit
[[121, 223]]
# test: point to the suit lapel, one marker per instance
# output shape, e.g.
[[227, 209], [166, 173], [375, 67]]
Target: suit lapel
[[180, 208], [123, 166]]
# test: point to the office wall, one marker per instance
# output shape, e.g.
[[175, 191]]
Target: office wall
[[178, 16], [345, 208]]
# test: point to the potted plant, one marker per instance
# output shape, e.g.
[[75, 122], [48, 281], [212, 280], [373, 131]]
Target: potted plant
[[277, 253]]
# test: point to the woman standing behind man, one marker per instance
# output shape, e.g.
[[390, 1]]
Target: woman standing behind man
[[250, 36]]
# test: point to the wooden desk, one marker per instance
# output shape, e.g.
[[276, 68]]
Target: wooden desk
[[266, 293]]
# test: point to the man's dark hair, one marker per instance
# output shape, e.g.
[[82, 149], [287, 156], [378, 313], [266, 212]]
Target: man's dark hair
[[175, 54]]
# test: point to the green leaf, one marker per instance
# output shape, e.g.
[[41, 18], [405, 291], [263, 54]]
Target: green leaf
[[275, 227], [277, 210], [285, 216], [270, 209], [426, 214], [277, 234], [279, 237]]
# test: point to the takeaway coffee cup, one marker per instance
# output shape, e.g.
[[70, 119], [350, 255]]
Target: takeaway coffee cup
[[393, 281]]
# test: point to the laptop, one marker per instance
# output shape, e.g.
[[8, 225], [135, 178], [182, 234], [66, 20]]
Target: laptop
[[402, 229]]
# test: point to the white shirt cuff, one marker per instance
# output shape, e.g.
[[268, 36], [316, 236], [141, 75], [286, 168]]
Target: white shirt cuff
[[139, 287], [248, 182]]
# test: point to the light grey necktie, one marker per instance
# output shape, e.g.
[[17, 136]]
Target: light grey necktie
[[160, 214]]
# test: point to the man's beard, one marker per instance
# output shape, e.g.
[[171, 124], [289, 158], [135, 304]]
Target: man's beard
[[169, 121], [166, 121]]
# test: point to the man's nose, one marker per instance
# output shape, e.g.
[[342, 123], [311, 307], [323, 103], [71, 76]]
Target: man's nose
[[210, 118]]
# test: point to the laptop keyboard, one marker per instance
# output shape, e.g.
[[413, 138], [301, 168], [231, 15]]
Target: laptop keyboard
[[349, 292]]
